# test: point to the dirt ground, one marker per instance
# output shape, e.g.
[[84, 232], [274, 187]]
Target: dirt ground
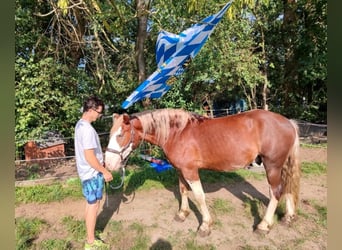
[[234, 230]]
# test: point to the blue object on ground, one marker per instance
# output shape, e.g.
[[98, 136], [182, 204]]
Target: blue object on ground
[[160, 167]]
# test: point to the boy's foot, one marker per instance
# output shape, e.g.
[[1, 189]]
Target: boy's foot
[[97, 244]]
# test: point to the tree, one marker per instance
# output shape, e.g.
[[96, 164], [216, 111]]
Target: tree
[[46, 90], [312, 60], [143, 7], [290, 39], [66, 50], [300, 73]]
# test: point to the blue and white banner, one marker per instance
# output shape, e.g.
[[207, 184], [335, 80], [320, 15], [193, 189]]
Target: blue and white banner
[[172, 53]]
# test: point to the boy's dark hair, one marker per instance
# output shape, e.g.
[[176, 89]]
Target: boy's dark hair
[[92, 102]]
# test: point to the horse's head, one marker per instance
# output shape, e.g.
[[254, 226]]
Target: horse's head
[[121, 142]]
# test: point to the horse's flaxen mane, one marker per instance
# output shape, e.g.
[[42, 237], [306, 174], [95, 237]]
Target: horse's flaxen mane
[[117, 121], [161, 121]]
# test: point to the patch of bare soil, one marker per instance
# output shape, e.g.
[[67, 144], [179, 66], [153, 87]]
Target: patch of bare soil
[[155, 209], [318, 154]]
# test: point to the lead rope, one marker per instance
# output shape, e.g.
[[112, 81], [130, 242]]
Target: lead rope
[[123, 164], [116, 187], [120, 185]]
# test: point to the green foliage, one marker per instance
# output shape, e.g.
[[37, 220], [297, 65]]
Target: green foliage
[[232, 64], [308, 93], [42, 102], [246, 49]]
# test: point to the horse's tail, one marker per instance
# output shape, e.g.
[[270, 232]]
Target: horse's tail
[[291, 171]]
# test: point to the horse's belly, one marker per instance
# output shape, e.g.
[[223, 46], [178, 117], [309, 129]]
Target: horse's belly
[[226, 165]]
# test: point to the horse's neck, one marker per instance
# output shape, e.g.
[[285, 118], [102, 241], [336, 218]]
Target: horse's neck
[[150, 138], [143, 136]]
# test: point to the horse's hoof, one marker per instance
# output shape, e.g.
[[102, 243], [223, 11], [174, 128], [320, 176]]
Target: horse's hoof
[[204, 229], [263, 228], [287, 220], [204, 233], [181, 216], [178, 218], [261, 231]]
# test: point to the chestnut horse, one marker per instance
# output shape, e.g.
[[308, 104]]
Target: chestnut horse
[[192, 142]]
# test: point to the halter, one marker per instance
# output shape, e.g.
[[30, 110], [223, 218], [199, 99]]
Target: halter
[[123, 161], [122, 151]]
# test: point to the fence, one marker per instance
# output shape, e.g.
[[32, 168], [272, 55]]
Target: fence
[[46, 166], [313, 133], [44, 158]]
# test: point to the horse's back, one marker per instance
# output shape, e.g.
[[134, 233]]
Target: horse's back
[[249, 133], [276, 133]]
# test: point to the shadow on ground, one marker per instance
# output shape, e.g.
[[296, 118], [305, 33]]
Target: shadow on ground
[[212, 182]]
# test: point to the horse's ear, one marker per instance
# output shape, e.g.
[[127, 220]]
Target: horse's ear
[[126, 118], [115, 116]]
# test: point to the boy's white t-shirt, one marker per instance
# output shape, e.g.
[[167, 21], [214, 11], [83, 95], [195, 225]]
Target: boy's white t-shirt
[[86, 138]]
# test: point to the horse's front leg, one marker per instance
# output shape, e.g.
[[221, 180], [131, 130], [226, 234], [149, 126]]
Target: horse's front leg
[[197, 189], [184, 205]]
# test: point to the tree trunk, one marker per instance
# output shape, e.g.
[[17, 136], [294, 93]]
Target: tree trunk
[[265, 71], [290, 31], [142, 15]]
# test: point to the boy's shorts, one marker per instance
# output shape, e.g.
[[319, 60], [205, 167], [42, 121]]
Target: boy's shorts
[[92, 188]]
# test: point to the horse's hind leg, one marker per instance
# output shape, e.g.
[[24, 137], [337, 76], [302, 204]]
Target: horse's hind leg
[[197, 189], [276, 191], [267, 221], [290, 209], [274, 179], [184, 206]]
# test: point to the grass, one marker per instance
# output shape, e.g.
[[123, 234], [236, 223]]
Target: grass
[[33, 172], [137, 236], [136, 179], [320, 215], [48, 193], [141, 240], [53, 244], [75, 228], [209, 176], [313, 168], [311, 145], [134, 236], [254, 208], [221, 206], [191, 244], [26, 231], [146, 178]]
